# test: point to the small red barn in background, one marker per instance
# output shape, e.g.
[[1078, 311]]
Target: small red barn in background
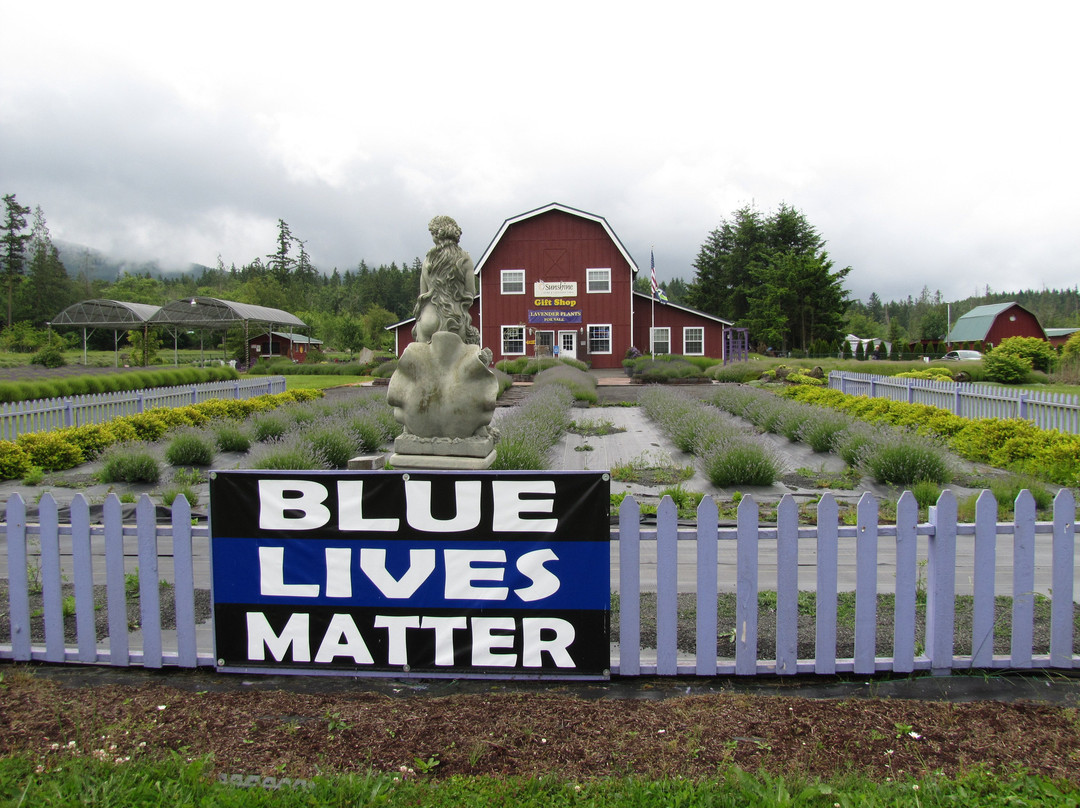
[[992, 323], [281, 343], [557, 281]]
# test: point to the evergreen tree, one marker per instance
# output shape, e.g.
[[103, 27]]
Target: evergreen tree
[[771, 274], [13, 247], [48, 290], [281, 263]]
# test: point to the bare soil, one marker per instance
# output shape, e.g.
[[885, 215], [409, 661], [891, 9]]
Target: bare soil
[[553, 730], [299, 735]]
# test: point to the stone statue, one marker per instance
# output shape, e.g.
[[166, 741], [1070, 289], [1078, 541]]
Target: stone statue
[[447, 286], [443, 391]]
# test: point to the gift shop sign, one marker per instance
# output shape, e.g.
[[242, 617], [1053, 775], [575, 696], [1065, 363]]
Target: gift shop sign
[[424, 573]]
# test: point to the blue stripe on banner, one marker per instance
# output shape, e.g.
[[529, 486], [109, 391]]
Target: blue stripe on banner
[[433, 574]]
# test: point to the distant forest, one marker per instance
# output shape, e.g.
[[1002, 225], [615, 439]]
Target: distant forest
[[349, 310]]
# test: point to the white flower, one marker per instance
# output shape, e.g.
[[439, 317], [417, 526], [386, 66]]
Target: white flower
[[915, 735], [162, 706]]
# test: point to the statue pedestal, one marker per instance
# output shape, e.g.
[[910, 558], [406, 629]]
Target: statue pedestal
[[441, 462], [415, 452]]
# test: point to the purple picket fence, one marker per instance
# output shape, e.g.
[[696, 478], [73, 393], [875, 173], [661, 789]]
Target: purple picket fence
[[81, 567]]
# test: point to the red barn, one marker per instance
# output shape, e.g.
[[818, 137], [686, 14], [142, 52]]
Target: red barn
[[992, 323], [557, 281]]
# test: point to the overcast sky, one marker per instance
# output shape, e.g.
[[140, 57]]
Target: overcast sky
[[930, 143]]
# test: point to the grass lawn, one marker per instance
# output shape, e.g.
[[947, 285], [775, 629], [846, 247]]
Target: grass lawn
[[298, 382]]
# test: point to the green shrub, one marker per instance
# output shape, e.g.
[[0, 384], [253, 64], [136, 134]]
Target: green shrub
[[333, 442], [169, 495], [51, 356], [232, 437], [1038, 352], [926, 492], [190, 448], [900, 459], [291, 452], [129, 463], [50, 450], [269, 426], [14, 461], [741, 462], [581, 385], [528, 434], [822, 430], [737, 372], [369, 432], [385, 370], [1006, 368]]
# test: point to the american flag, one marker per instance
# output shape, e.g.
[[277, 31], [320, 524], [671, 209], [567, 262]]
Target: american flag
[[652, 269]]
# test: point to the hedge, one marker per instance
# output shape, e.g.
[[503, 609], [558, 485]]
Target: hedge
[[66, 448], [1008, 443]]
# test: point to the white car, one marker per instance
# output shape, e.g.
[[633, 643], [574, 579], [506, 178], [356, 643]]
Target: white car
[[963, 356]]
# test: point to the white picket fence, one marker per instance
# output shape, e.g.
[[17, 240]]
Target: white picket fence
[[1024, 559], [1046, 410], [43, 415]]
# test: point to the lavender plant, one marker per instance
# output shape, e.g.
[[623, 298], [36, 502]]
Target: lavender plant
[[528, 433]]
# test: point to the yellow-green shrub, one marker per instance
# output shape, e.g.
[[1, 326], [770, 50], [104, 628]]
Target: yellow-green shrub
[[148, 425], [92, 439], [50, 450], [802, 378], [936, 374], [14, 461]]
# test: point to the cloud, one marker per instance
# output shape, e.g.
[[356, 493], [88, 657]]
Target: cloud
[[926, 154]]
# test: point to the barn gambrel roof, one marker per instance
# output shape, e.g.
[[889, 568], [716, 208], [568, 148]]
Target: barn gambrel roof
[[976, 324], [565, 209]]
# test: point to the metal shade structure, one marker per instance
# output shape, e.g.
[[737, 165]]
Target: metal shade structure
[[214, 314], [190, 313], [118, 315]]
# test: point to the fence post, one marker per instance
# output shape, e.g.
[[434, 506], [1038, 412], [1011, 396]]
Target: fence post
[[138, 401], [746, 588], [910, 391], [18, 582], [941, 584], [69, 412], [1064, 558], [629, 588], [956, 399], [866, 554], [1022, 404], [1023, 606], [194, 394]]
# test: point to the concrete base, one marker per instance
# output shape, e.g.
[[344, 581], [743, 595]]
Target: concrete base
[[366, 462], [441, 462], [475, 446]]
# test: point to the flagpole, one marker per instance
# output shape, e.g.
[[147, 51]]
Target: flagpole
[[652, 304]]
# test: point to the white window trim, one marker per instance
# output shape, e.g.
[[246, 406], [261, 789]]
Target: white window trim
[[652, 339], [702, 340], [516, 273], [520, 329], [589, 283], [589, 340]]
